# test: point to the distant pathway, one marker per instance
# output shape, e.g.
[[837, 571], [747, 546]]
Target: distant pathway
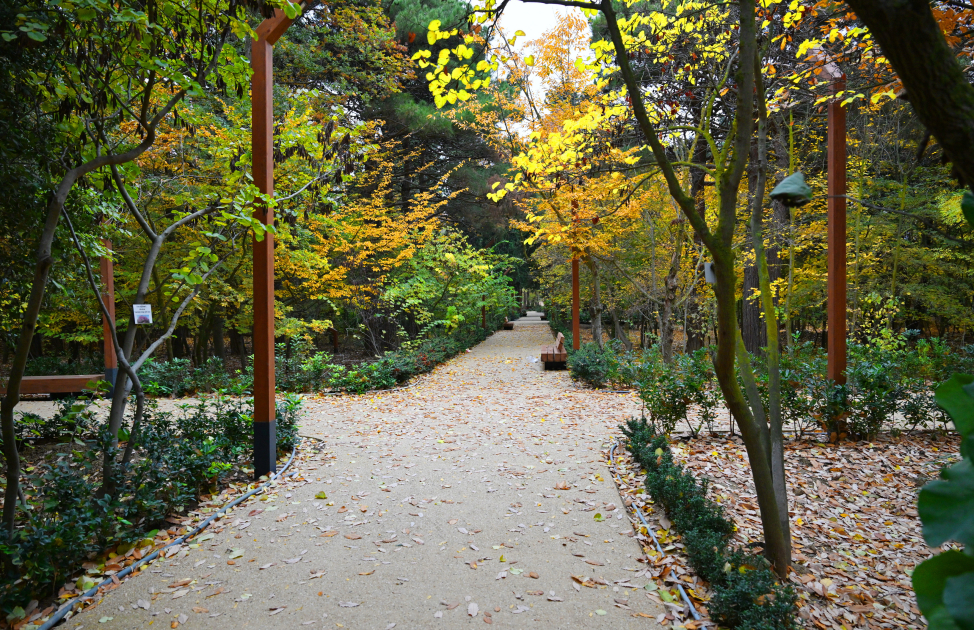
[[489, 458]]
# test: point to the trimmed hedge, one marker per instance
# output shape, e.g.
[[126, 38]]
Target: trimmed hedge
[[70, 519], [745, 593]]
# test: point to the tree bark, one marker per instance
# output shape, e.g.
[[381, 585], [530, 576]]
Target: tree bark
[[619, 331], [930, 71], [219, 349], [752, 328], [595, 305], [670, 292]]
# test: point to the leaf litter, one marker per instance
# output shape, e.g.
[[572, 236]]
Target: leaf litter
[[856, 532]]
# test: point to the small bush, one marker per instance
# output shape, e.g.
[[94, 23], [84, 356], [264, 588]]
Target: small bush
[[589, 364], [178, 457], [745, 593]]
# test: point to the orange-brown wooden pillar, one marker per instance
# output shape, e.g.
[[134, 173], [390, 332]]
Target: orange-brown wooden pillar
[[107, 268], [836, 367], [262, 99], [576, 335]]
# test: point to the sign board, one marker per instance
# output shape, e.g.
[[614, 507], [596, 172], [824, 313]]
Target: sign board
[[143, 313], [708, 273]]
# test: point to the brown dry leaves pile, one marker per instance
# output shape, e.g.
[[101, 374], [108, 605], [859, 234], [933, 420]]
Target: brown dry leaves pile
[[855, 529]]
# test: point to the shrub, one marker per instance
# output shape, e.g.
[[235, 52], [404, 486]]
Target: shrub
[[178, 456], [52, 366], [745, 593], [165, 378], [589, 364]]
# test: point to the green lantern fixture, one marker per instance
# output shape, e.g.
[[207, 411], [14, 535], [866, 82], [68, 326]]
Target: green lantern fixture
[[792, 191]]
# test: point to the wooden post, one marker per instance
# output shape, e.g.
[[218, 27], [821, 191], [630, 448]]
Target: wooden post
[[837, 237], [262, 146], [576, 335], [107, 269]]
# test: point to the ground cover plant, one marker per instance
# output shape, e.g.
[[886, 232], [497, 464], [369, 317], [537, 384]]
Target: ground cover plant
[[174, 457]]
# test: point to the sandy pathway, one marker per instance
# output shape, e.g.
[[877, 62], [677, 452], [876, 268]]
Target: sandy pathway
[[473, 496]]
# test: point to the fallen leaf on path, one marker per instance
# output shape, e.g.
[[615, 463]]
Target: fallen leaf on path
[[353, 536], [328, 534]]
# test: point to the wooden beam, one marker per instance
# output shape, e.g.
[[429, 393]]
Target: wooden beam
[[107, 269], [262, 94], [68, 384], [836, 334], [262, 147]]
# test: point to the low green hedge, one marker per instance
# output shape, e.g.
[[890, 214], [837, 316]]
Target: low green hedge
[[745, 593], [68, 517]]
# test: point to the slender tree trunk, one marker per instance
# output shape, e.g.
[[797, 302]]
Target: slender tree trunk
[[670, 288], [771, 321], [595, 305], [620, 332], [720, 244], [219, 350], [752, 328]]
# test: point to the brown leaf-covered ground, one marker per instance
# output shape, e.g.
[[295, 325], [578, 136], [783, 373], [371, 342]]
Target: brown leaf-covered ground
[[854, 523]]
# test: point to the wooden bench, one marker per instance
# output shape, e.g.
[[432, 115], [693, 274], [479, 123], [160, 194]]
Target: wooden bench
[[555, 357], [69, 384], [508, 325]]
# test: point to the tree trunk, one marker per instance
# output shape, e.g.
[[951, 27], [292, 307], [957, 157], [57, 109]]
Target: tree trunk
[[936, 86], [752, 327], [670, 288], [620, 332], [595, 305], [721, 246], [244, 356], [219, 350]]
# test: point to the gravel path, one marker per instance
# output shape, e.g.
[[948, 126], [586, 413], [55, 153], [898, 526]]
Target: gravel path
[[473, 496]]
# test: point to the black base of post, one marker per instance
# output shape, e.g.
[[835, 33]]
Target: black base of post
[[265, 448], [110, 375]]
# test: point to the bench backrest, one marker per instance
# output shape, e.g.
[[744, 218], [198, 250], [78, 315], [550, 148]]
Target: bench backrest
[[560, 343]]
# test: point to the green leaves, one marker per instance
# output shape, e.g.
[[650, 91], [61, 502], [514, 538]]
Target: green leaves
[[934, 579], [944, 584], [956, 397], [947, 506]]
